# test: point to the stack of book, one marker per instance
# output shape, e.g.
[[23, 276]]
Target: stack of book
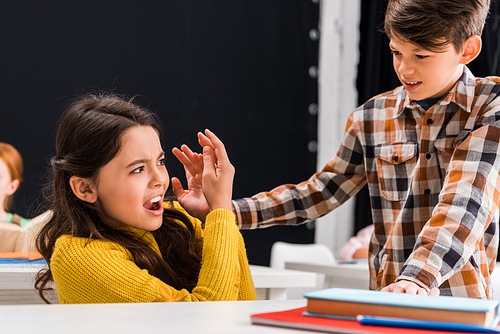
[[21, 257], [364, 311]]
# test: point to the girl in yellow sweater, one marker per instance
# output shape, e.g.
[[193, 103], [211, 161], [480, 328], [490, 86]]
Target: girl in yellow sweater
[[113, 238]]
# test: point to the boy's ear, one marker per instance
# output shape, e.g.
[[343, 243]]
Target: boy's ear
[[472, 47], [83, 189], [14, 184]]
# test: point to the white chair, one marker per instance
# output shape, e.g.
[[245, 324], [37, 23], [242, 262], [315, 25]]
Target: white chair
[[282, 252], [9, 233], [27, 234], [495, 281], [13, 238]]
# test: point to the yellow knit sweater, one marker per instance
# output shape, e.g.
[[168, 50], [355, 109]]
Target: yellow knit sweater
[[104, 272]]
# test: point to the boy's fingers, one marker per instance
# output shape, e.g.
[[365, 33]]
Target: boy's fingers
[[204, 141], [422, 291], [208, 161], [220, 150], [434, 292]]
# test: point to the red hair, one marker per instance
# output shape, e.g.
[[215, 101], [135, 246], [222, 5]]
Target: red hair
[[12, 159]]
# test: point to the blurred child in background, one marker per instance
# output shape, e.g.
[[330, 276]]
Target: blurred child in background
[[11, 170]]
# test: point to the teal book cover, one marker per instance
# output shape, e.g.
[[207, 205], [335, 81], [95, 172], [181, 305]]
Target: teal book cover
[[401, 299], [401, 305]]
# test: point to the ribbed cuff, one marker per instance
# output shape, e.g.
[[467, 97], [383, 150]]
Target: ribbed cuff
[[220, 215]]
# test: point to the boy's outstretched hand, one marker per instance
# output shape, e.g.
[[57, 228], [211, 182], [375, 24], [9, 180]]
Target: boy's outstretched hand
[[210, 177], [218, 174], [192, 199], [404, 286]]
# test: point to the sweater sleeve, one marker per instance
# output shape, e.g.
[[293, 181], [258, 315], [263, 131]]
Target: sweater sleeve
[[224, 271], [104, 272]]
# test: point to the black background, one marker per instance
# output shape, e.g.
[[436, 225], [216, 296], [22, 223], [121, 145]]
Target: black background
[[237, 67]]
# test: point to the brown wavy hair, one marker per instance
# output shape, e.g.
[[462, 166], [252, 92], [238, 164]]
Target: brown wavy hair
[[12, 159], [88, 137], [434, 24]]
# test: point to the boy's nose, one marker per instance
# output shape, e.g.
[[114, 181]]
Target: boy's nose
[[405, 68]]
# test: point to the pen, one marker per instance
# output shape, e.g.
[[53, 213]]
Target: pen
[[419, 324]]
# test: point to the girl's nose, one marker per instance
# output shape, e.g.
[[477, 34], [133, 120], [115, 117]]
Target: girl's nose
[[158, 178]]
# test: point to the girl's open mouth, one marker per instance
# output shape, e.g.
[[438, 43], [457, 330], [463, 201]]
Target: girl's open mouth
[[153, 204]]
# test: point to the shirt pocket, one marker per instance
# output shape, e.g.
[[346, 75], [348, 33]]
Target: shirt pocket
[[395, 166], [446, 145], [444, 149]]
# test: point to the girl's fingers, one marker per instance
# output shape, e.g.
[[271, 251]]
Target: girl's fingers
[[195, 158], [190, 164], [177, 188], [182, 158]]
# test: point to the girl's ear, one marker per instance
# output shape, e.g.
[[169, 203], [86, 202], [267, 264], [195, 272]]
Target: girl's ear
[[83, 189], [14, 184], [472, 47]]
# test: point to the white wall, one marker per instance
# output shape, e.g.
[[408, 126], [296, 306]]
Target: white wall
[[339, 38]]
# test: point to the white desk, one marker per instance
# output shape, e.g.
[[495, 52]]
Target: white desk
[[17, 283], [272, 283], [207, 317], [356, 275], [343, 275]]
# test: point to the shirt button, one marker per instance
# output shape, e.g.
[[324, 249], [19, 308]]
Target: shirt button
[[430, 121], [395, 158], [427, 192], [428, 155]]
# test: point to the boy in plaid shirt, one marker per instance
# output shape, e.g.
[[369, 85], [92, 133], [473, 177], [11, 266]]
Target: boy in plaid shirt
[[429, 152]]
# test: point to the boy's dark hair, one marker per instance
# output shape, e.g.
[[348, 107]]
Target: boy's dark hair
[[434, 24]]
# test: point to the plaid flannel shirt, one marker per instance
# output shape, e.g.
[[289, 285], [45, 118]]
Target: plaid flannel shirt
[[434, 184]]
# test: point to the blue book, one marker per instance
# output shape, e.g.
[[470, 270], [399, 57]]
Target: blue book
[[420, 324], [349, 303], [20, 260]]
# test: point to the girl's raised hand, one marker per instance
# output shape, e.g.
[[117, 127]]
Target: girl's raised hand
[[218, 173], [192, 199]]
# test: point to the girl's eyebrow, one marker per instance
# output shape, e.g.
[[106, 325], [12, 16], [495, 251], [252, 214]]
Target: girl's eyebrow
[[143, 161]]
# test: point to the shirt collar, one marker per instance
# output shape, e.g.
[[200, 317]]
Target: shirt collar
[[462, 94]]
